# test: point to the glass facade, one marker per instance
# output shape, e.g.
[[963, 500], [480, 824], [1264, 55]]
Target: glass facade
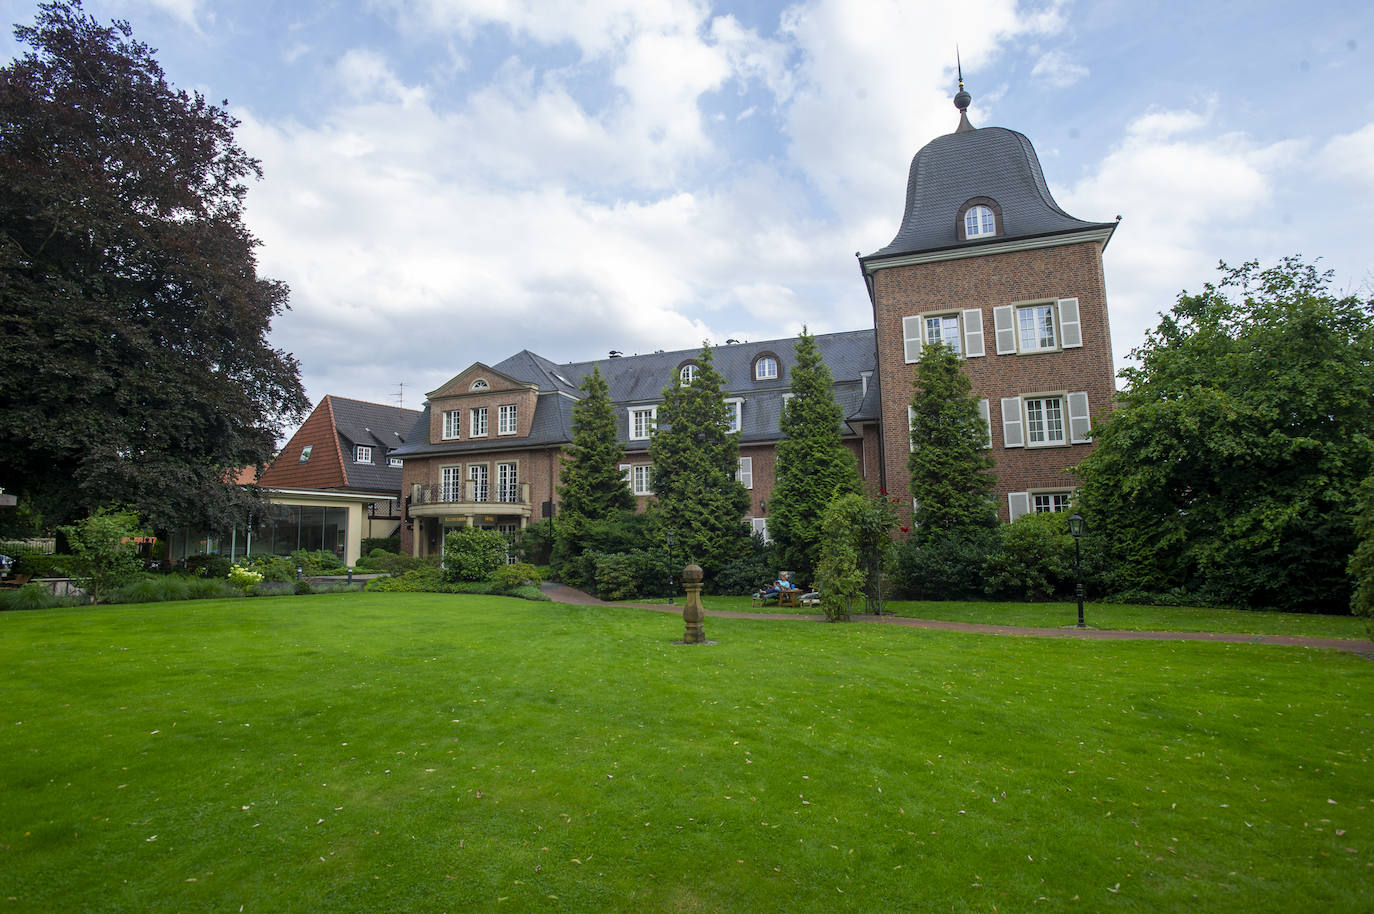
[[281, 530]]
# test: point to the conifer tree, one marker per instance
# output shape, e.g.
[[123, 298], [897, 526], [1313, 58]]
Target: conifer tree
[[951, 478], [696, 459], [592, 485], [813, 467]]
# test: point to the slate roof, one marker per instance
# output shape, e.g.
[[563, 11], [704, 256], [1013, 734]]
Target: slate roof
[[383, 428], [979, 162], [639, 380]]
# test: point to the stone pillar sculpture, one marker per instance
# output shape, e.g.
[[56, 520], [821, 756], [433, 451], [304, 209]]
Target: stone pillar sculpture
[[692, 610]]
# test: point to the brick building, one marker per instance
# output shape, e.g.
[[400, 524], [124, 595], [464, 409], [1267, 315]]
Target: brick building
[[984, 261]]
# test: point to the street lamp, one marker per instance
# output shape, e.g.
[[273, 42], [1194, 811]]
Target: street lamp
[[1076, 529], [672, 540]]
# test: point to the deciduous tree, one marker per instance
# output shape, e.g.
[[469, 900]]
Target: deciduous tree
[[1230, 467], [134, 361]]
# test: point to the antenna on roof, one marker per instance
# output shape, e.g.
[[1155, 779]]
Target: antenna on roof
[[401, 394], [961, 99]]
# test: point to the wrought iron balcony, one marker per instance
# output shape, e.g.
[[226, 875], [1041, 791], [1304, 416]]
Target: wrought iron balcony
[[508, 497]]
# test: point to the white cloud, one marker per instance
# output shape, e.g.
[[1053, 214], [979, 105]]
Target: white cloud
[[1348, 157], [1058, 69]]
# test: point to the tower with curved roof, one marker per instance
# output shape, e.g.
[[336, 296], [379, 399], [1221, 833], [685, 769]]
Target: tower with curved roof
[[986, 261]]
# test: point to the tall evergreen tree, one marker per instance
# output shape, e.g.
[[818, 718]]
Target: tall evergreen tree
[[134, 361], [812, 467], [696, 458], [950, 464], [592, 485]]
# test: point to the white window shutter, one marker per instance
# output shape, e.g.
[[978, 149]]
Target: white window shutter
[[985, 411], [1011, 423], [910, 421], [626, 471], [745, 474], [1018, 503], [1070, 333], [973, 333], [1080, 423], [1004, 322], [911, 339]]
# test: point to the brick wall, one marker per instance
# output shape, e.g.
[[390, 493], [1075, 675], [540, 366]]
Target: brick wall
[[986, 282], [324, 469]]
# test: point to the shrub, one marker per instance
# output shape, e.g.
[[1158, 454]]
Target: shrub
[[389, 563], [103, 553], [42, 566], [163, 588], [472, 554], [31, 596], [1362, 562], [534, 544], [320, 561], [1036, 558], [509, 577], [276, 569], [949, 567], [747, 574], [303, 587], [426, 579], [206, 566], [373, 544], [245, 579]]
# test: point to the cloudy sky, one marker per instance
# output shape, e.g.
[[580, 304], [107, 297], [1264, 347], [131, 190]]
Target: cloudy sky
[[450, 181]]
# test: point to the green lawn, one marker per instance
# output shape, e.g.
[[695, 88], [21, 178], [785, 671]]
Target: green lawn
[[1097, 615], [418, 752]]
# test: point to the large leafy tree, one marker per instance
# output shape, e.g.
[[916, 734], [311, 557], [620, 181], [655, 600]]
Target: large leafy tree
[[1232, 463], [134, 362], [813, 466], [950, 463], [696, 458]]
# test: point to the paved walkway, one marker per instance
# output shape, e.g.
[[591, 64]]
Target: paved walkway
[[562, 594]]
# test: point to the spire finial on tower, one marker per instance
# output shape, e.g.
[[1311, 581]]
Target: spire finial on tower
[[962, 99]]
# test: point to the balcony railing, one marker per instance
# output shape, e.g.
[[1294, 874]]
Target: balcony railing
[[470, 491]]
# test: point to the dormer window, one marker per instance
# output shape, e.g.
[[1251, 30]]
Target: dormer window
[[480, 384], [979, 221], [362, 454], [979, 217], [687, 374], [765, 368]]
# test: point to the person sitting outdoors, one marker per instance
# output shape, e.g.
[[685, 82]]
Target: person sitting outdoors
[[782, 583]]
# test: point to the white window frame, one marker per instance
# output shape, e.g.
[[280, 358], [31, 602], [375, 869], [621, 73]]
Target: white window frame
[[477, 426], [453, 424], [745, 474], [480, 384], [688, 373], [979, 221], [305, 453], [1041, 423], [736, 407], [760, 363], [760, 525], [507, 419], [646, 431], [642, 479], [1064, 320], [1037, 311], [451, 485], [362, 453], [985, 411], [480, 487], [968, 335], [508, 482], [1050, 496], [395, 463]]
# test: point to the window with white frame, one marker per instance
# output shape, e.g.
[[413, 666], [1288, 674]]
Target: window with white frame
[[979, 221], [451, 487], [688, 374], [1031, 327], [642, 422], [639, 477], [480, 384], [477, 480], [962, 331], [760, 525], [765, 368], [453, 424], [507, 483], [745, 474], [1049, 502], [506, 423], [478, 426], [395, 463], [1045, 420], [510, 532], [362, 454], [735, 406]]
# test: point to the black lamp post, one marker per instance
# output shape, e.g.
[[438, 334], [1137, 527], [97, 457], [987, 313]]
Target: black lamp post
[[1076, 528], [672, 540]]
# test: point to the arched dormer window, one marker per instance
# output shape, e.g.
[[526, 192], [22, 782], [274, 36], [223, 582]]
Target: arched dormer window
[[480, 384], [979, 218], [688, 373], [766, 368]]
